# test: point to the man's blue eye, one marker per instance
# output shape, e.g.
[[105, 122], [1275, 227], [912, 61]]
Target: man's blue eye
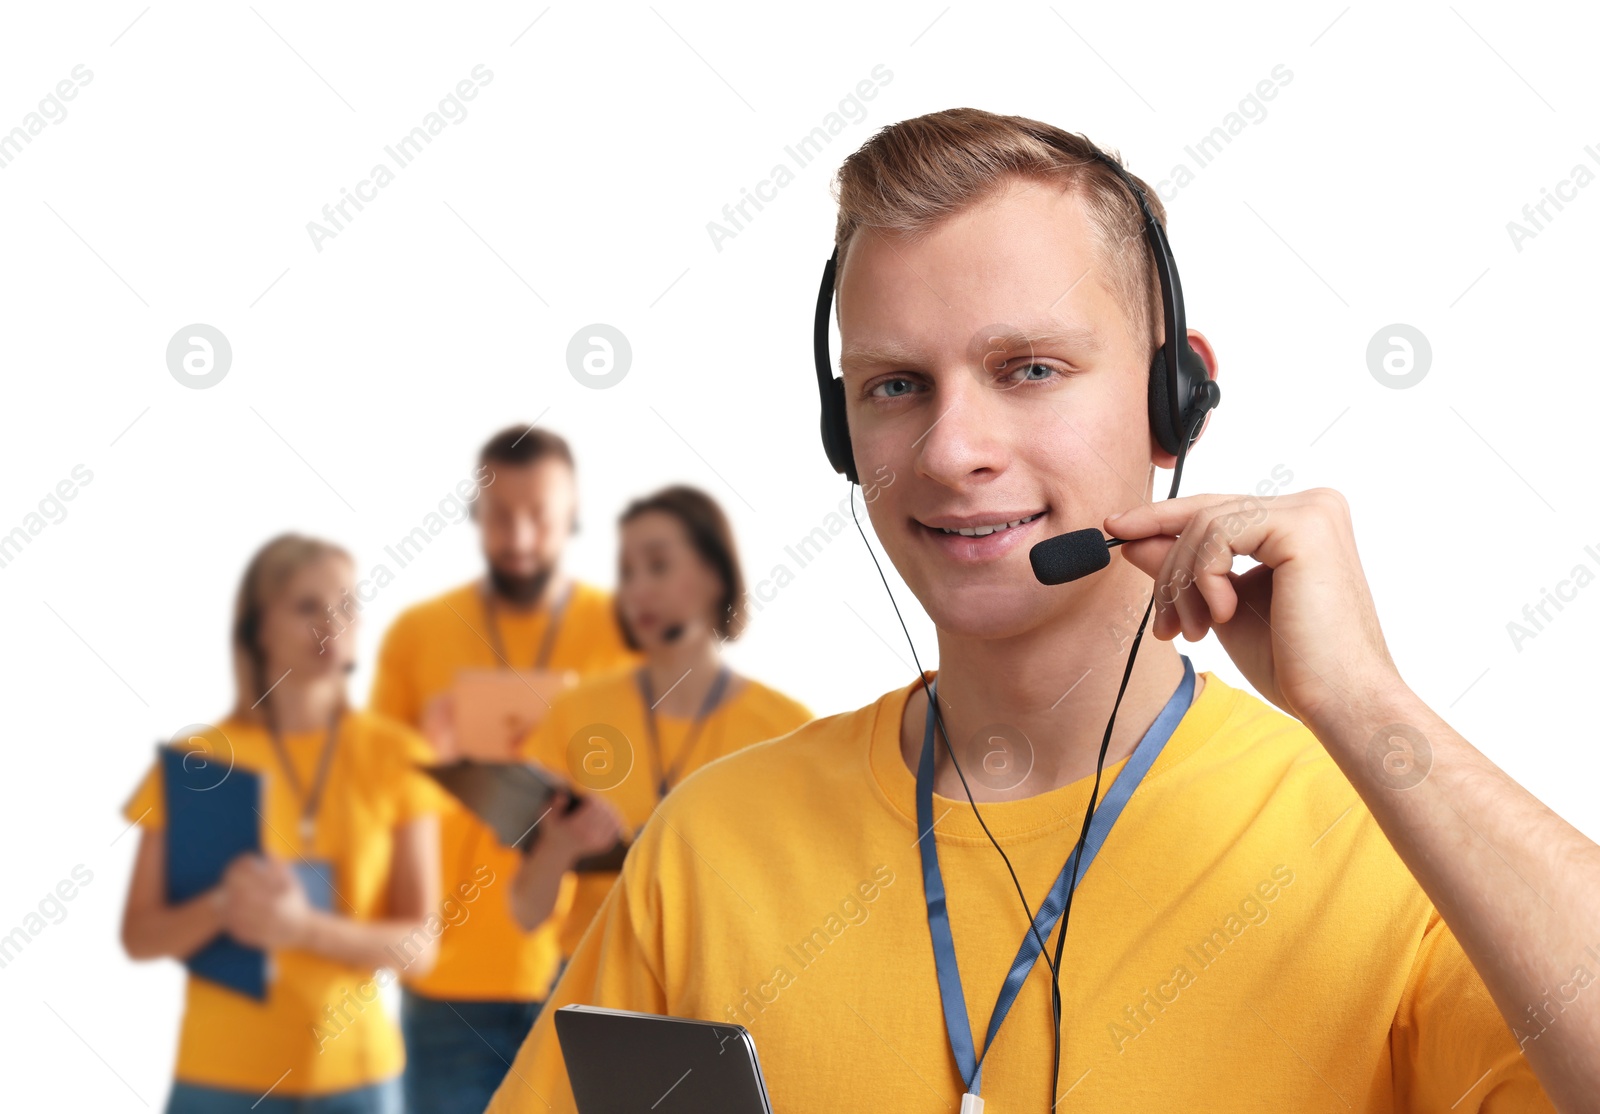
[[1026, 371], [893, 388]]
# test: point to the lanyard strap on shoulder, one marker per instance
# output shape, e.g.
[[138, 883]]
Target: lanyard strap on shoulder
[[968, 1061]]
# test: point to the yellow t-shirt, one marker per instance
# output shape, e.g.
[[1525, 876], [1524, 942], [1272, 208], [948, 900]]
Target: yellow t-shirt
[[321, 1027], [487, 956], [1246, 939], [614, 761]]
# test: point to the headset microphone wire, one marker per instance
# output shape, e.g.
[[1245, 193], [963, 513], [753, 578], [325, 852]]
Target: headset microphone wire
[[1094, 796], [1083, 836]]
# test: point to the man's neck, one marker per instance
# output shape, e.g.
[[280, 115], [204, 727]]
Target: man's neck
[[1026, 715], [688, 669], [306, 705]]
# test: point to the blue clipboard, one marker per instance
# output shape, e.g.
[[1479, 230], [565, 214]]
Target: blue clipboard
[[211, 818]]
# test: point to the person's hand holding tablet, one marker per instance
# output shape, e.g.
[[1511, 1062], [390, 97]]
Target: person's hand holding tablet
[[568, 834]]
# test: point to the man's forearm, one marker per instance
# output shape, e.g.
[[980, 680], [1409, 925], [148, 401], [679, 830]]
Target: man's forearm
[[1518, 886]]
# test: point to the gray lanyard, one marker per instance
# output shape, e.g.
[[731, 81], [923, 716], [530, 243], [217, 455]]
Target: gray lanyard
[[665, 779], [491, 621], [310, 801]]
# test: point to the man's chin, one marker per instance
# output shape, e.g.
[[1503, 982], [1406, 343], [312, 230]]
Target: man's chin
[[519, 588], [1000, 612]]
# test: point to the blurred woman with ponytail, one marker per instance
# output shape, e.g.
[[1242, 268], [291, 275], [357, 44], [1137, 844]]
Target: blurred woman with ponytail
[[344, 888]]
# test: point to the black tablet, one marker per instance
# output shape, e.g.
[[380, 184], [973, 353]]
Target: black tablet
[[511, 798], [620, 1062]]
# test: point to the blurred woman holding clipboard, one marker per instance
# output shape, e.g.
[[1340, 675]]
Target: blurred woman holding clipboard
[[623, 739], [289, 856]]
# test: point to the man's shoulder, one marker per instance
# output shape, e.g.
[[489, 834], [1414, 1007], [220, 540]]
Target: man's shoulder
[[453, 605], [1249, 729], [1266, 768], [589, 597], [1270, 761], [592, 610]]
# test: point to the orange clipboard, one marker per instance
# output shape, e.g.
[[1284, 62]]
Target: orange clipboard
[[496, 708]]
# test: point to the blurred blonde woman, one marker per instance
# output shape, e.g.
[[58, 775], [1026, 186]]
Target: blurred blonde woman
[[341, 797]]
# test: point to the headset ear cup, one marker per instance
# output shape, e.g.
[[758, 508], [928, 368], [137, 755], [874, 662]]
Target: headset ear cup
[[1160, 407], [836, 432], [1191, 373]]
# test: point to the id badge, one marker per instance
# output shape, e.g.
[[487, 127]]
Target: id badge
[[316, 876]]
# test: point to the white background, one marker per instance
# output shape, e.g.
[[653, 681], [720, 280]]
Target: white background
[[177, 190]]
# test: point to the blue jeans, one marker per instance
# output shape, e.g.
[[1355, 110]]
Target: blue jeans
[[458, 1051], [378, 1098]]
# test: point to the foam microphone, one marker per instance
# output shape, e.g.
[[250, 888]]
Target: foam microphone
[[1071, 556], [672, 633]]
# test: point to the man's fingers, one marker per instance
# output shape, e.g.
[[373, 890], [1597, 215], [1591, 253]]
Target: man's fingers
[[1187, 549], [1193, 612], [1167, 517], [1205, 564], [1217, 588], [1147, 554]]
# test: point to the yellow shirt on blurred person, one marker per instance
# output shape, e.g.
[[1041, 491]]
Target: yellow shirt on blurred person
[[321, 1027], [488, 955], [597, 736]]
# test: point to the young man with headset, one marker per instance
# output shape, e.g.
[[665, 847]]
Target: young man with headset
[[1337, 906]]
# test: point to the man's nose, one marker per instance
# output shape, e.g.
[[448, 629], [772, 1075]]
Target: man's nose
[[964, 431]]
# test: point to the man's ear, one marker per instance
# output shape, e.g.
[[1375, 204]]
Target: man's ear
[[1202, 347]]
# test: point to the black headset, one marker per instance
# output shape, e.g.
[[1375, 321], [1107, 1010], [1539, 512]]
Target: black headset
[[1181, 388]]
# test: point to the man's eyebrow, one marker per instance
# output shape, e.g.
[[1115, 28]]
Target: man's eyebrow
[[877, 355], [1072, 336], [893, 352]]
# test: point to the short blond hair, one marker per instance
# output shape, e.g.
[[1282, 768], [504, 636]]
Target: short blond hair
[[913, 174]]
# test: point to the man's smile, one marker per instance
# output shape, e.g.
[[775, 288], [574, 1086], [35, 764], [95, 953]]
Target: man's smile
[[982, 536]]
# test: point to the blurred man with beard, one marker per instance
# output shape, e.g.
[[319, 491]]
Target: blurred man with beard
[[465, 1019]]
